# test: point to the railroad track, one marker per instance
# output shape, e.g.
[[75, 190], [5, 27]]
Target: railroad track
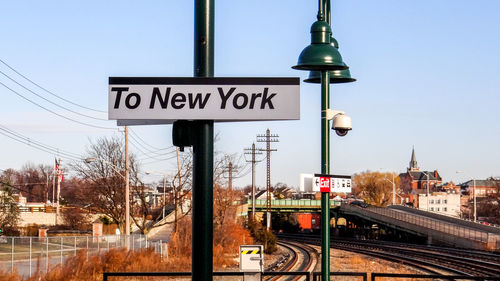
[[433, 260], [302, 258]]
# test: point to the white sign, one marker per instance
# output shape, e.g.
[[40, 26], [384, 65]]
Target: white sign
[[252, 258], [146, 100], [332, 183]]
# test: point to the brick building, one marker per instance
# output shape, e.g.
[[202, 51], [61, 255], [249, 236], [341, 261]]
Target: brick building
[[415, 182], [484, 188]]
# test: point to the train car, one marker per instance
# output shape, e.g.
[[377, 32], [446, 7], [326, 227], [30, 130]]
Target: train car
[[309, 222]]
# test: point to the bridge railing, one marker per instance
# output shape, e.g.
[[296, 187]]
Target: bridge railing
[[430, 223], [296, 203]]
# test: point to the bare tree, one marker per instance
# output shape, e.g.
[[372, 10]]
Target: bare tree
[[105, 178], [33, 182], [9, 210]]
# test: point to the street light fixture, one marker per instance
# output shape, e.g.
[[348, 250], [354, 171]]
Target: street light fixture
[[320, 55], [323, 57], [427, 175], [473, 193], [127, 189], [393, 189], [336, 76]]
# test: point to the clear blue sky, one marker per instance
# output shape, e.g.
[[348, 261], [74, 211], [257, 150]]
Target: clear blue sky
[[427, 77]]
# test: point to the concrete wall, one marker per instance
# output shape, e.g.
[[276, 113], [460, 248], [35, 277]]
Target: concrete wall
[[42, 218], [37, 218]]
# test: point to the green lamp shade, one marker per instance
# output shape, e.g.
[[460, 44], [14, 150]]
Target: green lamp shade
[[320, 57], [336, 76], [320, 54]]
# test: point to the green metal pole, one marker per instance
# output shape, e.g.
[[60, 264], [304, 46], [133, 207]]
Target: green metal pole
[[203, 149], [325, 169]]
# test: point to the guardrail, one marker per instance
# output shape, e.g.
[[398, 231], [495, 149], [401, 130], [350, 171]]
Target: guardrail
[[491, 240]]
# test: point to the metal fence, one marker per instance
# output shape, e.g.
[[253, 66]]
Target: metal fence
[[26, 254], [430, 223]]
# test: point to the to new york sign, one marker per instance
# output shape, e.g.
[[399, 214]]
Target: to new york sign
[[132, 99]]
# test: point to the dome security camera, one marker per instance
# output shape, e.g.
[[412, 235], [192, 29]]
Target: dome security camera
[[341, 123]]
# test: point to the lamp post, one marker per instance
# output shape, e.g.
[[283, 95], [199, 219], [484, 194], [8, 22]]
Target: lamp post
[[393, 189], [323, 58], [393, 182], [427, 175], [127, 190], [164, 182], [473, 193]]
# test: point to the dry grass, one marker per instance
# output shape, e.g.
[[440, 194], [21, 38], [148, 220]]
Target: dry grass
[[227, 239]]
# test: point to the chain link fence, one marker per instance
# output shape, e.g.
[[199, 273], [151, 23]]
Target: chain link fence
[[26, 254]]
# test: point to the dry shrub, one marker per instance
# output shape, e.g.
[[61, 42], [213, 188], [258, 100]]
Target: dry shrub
[[5, 275], [227, 239], [79, 267], [179, 248]]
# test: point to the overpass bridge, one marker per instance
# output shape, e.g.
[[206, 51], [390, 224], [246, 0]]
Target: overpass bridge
[[435, 228], [291, 205]]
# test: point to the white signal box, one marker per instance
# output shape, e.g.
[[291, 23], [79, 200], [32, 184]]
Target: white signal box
[[252, 258]]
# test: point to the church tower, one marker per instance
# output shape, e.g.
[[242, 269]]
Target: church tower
[[413, 162]]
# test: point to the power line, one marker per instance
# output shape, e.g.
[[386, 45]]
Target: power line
[[30, 140], [55, 113], [149, 151], [49, 101], [40, 147], [142, 140], [32, 82], [132, 142], [151, 162], [147, 155]]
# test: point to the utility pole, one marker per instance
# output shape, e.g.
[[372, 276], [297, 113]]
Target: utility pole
[[230, 183], [127, 188], [59, 172], [53, 188], [47, 190], [175, 189], [253, 161], [268, 139]]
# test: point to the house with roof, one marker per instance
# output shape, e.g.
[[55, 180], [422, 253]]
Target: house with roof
[[415, 182], [262, 195], [483, 188], [449, 187]]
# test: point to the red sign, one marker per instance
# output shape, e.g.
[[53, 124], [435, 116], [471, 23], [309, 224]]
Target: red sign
[[325, 184]]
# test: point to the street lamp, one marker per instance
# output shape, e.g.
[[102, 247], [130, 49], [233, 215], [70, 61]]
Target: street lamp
[[393, 182], [427, 175], [473, 192], [393, 189], [127, 189], [164, 181], [323, 56]]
